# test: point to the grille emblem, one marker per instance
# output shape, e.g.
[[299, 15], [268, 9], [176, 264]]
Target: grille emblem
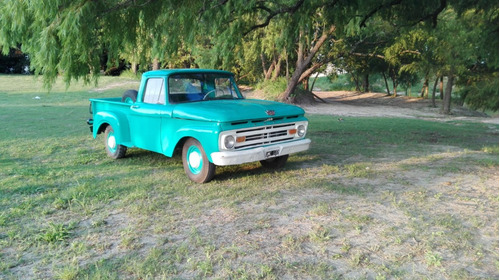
[[270, 112]]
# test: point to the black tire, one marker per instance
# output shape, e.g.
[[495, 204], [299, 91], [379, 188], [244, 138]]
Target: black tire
[[195, 162], [113, 149], [274, 163], [130, 96]]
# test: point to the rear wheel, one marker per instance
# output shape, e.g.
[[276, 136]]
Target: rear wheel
[[274, 163], [113, 149], [195, 161]]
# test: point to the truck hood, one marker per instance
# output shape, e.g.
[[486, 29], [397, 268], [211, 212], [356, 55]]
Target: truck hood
[[234, 110]]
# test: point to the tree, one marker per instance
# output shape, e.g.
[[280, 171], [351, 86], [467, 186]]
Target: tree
[[252, 38]]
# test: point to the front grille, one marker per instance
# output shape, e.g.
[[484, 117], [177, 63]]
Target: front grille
[[264, 135]]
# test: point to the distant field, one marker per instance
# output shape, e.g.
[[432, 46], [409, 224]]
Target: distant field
[[374, 198]]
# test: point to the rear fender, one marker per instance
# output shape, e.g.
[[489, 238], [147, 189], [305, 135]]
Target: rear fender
[[117, 120]]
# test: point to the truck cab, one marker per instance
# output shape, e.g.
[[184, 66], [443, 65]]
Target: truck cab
[[203, 113]]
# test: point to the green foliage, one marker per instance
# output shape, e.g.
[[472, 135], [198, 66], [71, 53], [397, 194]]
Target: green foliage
[[272, 89], [70, 38]]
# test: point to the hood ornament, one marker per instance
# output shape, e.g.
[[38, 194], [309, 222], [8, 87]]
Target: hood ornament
[[270, 112]]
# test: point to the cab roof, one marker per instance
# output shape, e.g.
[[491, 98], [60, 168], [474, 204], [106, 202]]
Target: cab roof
[[168, 72]]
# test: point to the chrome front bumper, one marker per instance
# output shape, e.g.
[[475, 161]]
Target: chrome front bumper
[[260, 153]]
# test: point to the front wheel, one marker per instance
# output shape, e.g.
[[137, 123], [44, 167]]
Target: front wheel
[[195, 161], [113, 149], [274, 163]]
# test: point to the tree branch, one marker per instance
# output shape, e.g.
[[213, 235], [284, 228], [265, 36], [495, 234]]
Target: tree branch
[[434, 15], [311, 70], [380, 7], [272, 14], [124, 5]]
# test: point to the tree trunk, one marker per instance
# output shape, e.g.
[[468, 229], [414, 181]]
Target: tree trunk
[[277, 69], [441, 91], [263, 60], [303, 61], [156, 64], [314, 81], [270, 70], [447, 94], [133, 67], [394, 84], [425, 88], [366, 83], [386, 84], [305, 82], [434, 92], [356, 82], [287, 67], [395, 87]]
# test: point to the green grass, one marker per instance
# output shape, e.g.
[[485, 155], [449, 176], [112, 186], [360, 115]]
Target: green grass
[[376, 198]]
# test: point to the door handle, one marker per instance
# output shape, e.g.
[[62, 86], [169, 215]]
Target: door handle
[[135, 106]]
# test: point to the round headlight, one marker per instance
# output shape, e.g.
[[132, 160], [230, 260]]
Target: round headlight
[[301, 131], [229, 142]]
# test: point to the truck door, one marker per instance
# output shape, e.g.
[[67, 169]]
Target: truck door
[[146, 115]]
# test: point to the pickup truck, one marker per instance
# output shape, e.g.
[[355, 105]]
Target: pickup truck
[[203, 114]]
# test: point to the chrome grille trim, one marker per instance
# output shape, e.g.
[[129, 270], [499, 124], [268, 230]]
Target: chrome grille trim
[[264, 135]]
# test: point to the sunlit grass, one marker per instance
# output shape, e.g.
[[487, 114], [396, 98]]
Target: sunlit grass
[[67, 211]]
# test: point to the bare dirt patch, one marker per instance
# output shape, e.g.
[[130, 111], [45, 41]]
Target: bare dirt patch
[[348, 103]]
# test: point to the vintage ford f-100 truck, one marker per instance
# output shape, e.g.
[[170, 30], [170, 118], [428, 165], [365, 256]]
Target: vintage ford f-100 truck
[[202, 113]]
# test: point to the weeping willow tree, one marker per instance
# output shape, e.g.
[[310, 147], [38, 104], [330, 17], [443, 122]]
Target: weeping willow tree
[[68, 37]]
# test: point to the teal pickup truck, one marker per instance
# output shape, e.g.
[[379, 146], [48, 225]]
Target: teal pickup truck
[[203, 114]]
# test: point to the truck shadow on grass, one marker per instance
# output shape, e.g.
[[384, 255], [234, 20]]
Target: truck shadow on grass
[[141, 157]]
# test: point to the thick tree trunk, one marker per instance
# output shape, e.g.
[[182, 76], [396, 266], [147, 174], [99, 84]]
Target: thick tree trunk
[[292, 84], [366, 83], [386, 84], [447, 94], [303, 61]]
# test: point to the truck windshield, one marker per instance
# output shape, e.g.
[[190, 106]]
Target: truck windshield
[[189, 87]]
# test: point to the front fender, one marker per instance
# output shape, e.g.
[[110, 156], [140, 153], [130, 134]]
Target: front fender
[[207, 135], [117, 120]]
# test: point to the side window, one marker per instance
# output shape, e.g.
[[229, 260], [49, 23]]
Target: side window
[[155, 91]]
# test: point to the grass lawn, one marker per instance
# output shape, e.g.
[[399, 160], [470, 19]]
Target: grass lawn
[[374, 198]]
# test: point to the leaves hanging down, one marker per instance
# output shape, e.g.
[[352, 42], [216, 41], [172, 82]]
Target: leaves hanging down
[[261, 39]]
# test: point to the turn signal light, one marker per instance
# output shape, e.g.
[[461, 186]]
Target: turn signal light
[[240, 139], [292, 131]]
